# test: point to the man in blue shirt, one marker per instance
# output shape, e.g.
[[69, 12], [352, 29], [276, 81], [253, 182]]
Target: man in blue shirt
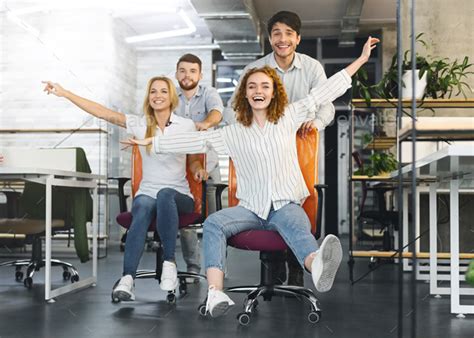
[[204, 106]]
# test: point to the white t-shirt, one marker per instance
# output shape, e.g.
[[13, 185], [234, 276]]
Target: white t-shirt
[[161, 170]]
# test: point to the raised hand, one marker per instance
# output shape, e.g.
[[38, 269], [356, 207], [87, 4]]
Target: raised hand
[[54, 88], [368, 46]]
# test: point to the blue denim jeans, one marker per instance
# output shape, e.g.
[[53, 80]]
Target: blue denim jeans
[[291, 222], [167, 206]]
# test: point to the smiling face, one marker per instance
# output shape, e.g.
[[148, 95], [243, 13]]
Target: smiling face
[[284, 40], [188, 75], [159, 96], [259, 91]]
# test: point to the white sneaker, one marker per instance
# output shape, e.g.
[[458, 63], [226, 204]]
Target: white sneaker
[[169, 276], [124, 291], [218, 303], [326, 263]]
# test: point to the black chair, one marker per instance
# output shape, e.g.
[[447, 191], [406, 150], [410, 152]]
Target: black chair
[[376, 223], [20, 222]]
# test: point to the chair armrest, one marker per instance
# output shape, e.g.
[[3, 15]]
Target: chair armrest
[[220, 187], [319, 216], [121, 192]]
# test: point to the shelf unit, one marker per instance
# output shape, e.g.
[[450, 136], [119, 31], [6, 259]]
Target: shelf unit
[[434, 132]]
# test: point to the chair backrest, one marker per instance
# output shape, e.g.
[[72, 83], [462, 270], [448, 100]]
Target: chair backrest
[[197, 188], [307, 149]]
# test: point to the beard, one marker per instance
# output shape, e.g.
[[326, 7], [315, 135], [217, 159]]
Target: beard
[[190, 86]]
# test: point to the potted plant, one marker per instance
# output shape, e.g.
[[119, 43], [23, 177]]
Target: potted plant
[[381, 164], [443, 77]]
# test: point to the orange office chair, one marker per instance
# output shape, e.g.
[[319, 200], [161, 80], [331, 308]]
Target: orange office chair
[[198, 190], [271, 245]]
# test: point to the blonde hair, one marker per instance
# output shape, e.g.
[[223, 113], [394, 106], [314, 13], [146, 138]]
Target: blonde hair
[[151, 122], [277, 104]]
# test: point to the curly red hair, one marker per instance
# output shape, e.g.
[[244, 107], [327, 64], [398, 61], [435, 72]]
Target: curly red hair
[[277, 105]]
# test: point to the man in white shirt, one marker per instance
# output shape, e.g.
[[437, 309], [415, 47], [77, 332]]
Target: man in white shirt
[[204, 106], [299, 74]]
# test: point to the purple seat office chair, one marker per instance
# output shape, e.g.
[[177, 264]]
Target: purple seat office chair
[[185, 220], [271, 245]]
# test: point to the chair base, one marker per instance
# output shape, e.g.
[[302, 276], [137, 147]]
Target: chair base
[[69, 271], [36, 262], [268, 291]]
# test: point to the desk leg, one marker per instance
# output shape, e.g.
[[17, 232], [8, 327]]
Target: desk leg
[[454, 222], [433, 239], [47, 274], [95, 219], [406, 265]]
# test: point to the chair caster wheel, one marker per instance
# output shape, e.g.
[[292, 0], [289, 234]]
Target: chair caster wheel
[[243, 318], [183, 289], [74, 278], [28, 282], [314, 316], [202, 310], [66, 275], [171, 298], [18, 276], [373, 262]]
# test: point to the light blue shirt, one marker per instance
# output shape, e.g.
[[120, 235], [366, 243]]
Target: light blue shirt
[[197, 108], [203, 101]]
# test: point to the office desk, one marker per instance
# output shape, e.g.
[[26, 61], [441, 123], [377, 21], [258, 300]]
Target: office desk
[[50, 178], [452, 168]]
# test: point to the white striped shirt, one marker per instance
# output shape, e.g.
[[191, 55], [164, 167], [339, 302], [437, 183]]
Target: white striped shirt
[[265, 159]]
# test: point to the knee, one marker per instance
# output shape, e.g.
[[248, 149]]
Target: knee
[[142, 206], [212, 224], [165, 194]]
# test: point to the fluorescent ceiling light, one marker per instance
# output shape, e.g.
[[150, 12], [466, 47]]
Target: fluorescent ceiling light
[[226, 90], [166, 34], [224, 80], [178, 47]]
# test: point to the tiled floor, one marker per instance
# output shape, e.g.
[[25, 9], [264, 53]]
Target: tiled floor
[[367, 309]]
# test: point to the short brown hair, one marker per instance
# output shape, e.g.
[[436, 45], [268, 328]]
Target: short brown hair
[[277, 105], [290, 19], [191, 58]]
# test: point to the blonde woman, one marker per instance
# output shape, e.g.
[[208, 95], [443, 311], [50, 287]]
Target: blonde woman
[[164, 191]]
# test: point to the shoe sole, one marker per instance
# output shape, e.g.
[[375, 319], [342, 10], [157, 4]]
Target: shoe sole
[[220, 309], [122, 296], [331, 252]]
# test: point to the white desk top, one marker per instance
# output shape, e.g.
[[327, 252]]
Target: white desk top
[[18, 171], [443, 159]]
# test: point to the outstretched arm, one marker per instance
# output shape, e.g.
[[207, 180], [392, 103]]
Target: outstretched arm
[[305, 109], [88, 106], [195, 142]]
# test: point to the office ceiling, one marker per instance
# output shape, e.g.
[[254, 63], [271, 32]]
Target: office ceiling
[[238, 26]]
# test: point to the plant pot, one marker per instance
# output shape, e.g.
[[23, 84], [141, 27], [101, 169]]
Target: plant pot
[[420, 85]]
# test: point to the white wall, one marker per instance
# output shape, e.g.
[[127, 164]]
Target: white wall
[[84, 50]]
